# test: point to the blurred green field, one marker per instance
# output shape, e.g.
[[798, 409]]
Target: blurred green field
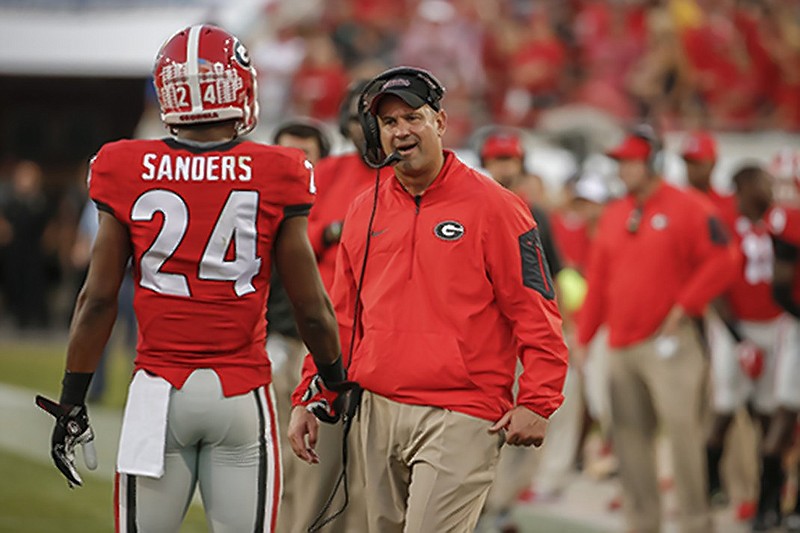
[[39, 365], [34, 498], [38, 501]]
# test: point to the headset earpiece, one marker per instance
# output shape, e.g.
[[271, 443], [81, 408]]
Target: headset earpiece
[[373, 151], [655, 159]]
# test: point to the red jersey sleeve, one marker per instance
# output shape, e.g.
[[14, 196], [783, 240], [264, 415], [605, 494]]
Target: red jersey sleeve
[[324, 177], [716, 257], [300, 189], [343, 297], [525, 295], [108, 193]]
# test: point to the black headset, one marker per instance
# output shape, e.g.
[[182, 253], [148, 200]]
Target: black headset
[[374, 156], [648, 133]]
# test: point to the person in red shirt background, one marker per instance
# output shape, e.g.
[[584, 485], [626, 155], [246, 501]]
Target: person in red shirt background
[[747, 369], [699, 153], [574, 225], [784, 223], [659, 257], [304, 489], [339, 180], [503, 158]]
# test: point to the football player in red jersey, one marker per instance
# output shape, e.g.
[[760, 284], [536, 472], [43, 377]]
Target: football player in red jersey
[[784, 222], [748, 371], [200, 215]]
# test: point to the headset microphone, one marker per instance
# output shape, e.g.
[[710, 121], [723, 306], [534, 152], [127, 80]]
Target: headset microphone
[[392, 158]]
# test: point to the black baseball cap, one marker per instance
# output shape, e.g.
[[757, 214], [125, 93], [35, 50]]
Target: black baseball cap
[[412, 89]]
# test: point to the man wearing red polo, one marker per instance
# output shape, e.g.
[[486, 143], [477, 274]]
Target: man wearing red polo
[[659, 257], [699, 152]]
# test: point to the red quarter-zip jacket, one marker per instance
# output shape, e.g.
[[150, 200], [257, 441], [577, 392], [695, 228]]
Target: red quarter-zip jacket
[[456, 288], [680, 254]]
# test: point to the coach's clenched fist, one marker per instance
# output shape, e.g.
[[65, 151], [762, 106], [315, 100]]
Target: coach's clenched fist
[[523, 427]]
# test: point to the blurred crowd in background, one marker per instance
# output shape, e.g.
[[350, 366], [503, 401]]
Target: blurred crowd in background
[[564, 76], [591, 66], [720, 64]]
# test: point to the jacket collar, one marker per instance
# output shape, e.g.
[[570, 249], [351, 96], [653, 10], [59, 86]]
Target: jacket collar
[[441, 179]]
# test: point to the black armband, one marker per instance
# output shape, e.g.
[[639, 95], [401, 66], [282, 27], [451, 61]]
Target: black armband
[[74, 387], [782, 294], [333, 372]]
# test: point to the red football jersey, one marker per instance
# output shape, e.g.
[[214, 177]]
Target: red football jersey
[[750, 296], [784, 224], [202, 223]]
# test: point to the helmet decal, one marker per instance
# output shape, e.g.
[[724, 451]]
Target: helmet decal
[[204, 74]]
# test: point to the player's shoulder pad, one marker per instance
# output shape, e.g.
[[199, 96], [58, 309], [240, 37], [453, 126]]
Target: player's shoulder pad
[[784, 222], [282, 161], [117, 155], [279, 155]]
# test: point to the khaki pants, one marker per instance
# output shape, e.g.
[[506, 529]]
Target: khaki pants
[[650, 391], [425, 469], [306, 487]]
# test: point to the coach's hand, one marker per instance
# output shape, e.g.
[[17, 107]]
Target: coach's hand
[[303, 431], [523, 427], [72, 428]]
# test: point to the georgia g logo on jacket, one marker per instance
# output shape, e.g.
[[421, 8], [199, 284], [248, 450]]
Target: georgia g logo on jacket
[[449, 230]]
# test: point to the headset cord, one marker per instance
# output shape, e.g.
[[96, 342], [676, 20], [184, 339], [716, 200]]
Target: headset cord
[[355, 395]]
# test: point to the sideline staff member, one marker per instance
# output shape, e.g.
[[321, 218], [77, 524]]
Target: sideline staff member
[[659, 257], [456, 289]]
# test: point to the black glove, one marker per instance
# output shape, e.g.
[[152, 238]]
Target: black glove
[[326, 402], [326, 392], [72, 428]]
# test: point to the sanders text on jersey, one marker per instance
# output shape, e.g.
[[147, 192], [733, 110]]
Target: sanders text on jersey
[[169, 167]]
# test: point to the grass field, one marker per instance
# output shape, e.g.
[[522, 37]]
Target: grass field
[[34, 497], [39, 365]]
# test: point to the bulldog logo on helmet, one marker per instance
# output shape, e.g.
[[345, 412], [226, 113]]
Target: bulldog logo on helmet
[[241, 54]]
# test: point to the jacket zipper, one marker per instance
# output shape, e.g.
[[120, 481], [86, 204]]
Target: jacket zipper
[[417, 202]]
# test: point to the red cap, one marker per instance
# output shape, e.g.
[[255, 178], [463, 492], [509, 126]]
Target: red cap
[[699, 146], [632, 148], [502, 145]]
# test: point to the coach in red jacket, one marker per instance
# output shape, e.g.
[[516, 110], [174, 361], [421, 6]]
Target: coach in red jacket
[[659, 256], [456, 289]]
